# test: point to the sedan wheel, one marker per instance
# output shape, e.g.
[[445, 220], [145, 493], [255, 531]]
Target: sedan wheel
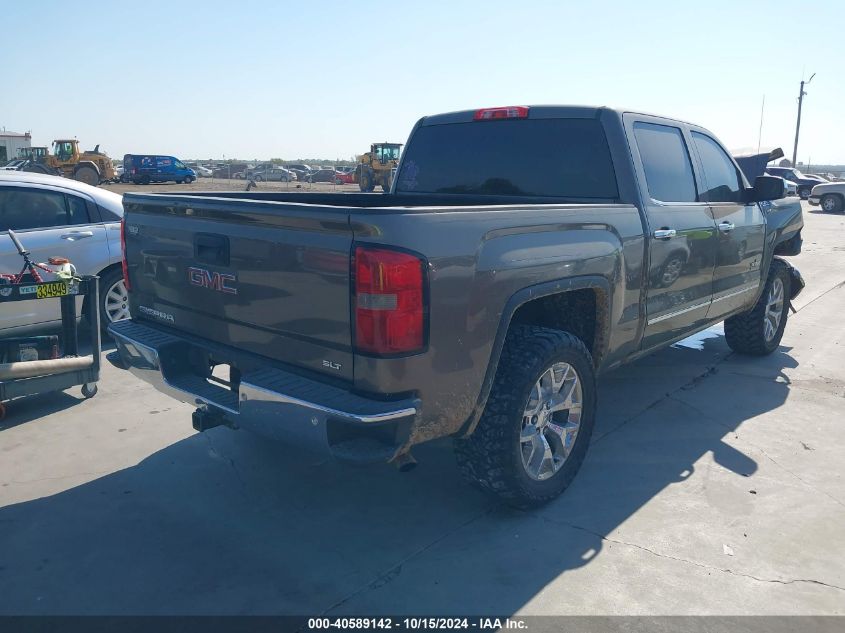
[[116, 302]]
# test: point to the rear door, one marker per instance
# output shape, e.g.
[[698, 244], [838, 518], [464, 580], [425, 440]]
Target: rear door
[[741, 228], [49, 222], [682, 233]]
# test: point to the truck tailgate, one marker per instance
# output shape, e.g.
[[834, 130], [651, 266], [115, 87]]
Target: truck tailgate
[[269, 278]]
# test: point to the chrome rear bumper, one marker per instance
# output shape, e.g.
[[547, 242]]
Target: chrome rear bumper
[[264, 398]]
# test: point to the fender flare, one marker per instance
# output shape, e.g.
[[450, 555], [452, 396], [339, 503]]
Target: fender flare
[[517, 300]]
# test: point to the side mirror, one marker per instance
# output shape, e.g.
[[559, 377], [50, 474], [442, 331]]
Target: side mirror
[[766, 188]]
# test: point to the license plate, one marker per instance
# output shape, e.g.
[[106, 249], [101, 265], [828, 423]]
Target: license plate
[[48, 291]]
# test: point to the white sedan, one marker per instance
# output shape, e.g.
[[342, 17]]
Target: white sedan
[[54, 216], [830, 196]]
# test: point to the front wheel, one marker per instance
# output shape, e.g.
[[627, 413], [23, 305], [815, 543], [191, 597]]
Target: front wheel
[[759, 331], [804, 193], [87, 175], [536, 427], [831, 203]]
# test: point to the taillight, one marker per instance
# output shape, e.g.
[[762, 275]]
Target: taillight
[[123, 250], [507, 112], [389, 302]]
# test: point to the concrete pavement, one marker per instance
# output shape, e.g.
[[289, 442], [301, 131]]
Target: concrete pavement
[[714, 486]]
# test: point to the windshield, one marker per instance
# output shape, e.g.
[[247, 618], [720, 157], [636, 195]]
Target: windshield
[[566, 158], [385, 154]]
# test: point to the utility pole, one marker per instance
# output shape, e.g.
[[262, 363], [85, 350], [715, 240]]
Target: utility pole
[[801, 94]]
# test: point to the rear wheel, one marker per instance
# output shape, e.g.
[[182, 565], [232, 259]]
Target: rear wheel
[[88, 175], [114, 299], [536, 427], [759, 331], [831, 203], [804, 193], [258, 177]]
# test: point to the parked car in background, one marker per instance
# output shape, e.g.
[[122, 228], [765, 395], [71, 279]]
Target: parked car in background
[[830, 196], [228, 171], [324, 175], [791, 188], [804, 183], [346, 178], [249, 172], [300, 174], [13, 165], [61, 217], [201, 172], [299, 167], [276, 173], [143, 169]]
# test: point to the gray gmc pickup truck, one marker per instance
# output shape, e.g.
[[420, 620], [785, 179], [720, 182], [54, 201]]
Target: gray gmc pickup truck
[[520, 252]]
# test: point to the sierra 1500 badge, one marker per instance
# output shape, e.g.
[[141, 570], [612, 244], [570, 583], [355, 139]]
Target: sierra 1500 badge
[[221, 282]]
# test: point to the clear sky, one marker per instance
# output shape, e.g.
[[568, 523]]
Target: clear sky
[[325, 79]]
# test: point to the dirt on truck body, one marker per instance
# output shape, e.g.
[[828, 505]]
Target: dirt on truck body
[[520, 252]]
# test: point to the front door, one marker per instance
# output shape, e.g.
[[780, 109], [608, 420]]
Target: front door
[[741, 229], [682, 234]]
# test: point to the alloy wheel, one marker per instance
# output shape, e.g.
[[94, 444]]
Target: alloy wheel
[[117, 302], [551, 421], [774, 309]]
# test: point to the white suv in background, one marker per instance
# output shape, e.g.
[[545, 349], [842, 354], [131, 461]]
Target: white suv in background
[[54, 216]]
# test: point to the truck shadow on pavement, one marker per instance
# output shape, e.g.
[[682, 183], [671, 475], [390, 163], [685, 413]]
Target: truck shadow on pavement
[[228, 523]]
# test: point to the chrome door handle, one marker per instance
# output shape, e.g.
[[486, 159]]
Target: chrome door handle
[[665, 234], [726, 227], [77, 235]]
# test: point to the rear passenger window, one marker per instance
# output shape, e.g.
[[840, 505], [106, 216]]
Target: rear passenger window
[[77, 210], [666, 161], [723, 182]]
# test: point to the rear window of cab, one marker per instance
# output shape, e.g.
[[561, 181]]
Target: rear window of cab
[[567, 158]]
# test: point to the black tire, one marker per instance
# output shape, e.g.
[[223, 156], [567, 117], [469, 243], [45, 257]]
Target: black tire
[[89, 390], [746, 333], [491, 457], [366, 182], [258, 178], [804, 193], [87, 175], [35, 168], [831, 203]]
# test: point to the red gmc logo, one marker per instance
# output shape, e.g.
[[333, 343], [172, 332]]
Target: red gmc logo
[[221, 282]]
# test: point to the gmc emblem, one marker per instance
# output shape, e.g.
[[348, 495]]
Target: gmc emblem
[[221, 282]]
